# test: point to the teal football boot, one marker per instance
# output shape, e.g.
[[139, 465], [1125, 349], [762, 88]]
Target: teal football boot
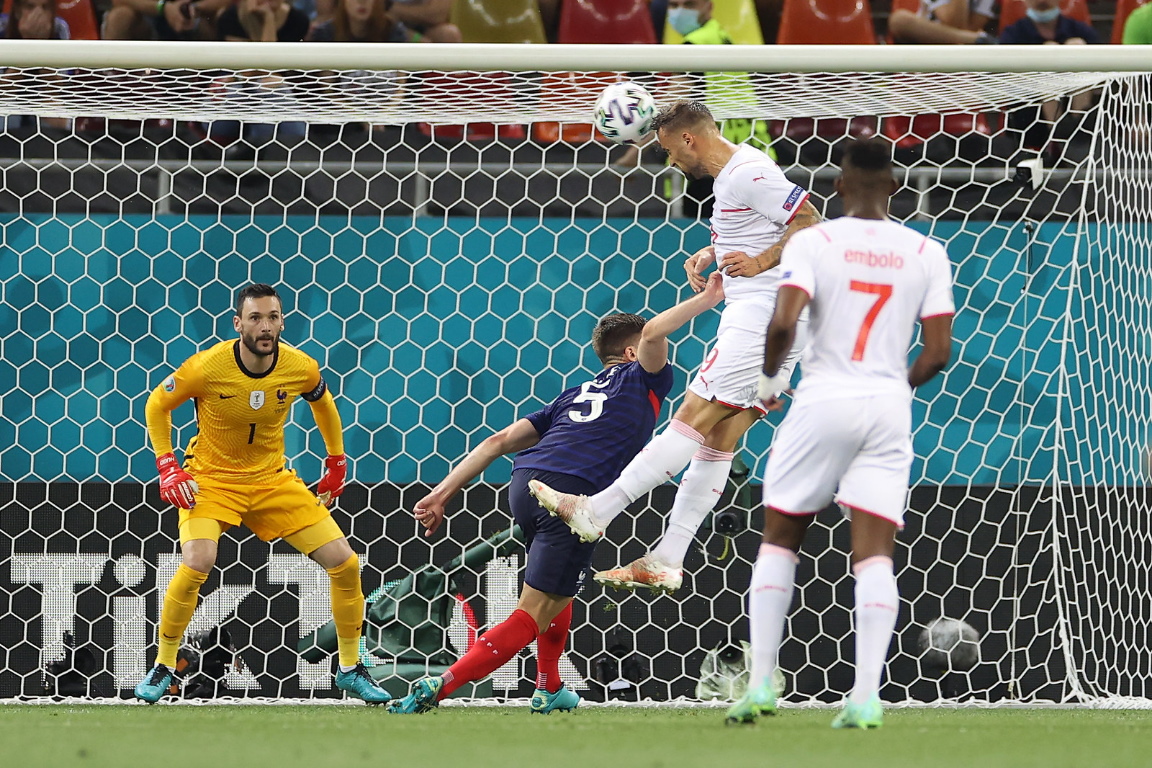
[[564, 700], [155, 684], [870, 714], [756, 702], [423, 698], [360, 684]]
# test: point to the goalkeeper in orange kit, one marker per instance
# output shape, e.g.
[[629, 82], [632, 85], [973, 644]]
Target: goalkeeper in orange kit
[[236, 473]]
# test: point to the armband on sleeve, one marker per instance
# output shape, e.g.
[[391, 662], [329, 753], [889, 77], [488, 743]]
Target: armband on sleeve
[[316, 393]]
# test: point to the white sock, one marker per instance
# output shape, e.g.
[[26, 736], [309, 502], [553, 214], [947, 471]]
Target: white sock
[[770, 598], [877, 605], [701, 488], [661, 459], [346, 669]]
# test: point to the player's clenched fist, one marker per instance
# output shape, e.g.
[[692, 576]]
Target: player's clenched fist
[[176, 486], [429, 512], [335, 473]]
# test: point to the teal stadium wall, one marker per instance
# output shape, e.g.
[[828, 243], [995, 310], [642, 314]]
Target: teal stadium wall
[[434, 332]]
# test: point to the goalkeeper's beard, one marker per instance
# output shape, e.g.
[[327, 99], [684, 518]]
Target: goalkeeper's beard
[[252, 343]]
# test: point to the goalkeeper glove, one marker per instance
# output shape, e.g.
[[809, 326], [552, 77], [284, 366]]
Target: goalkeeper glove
[[332, 484], [176, 486]]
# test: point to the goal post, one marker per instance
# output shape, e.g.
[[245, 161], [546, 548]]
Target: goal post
[[446, 232]]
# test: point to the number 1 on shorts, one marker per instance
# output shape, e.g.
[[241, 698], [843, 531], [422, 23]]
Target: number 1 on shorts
[[883, 293]]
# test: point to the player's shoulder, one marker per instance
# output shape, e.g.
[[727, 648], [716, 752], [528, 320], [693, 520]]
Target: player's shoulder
[[219, 350], [749, 164], [295, 360]]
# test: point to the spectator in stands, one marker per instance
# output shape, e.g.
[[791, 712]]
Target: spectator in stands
[[361, 21], [262, 21], [164, 20], [1043, 24], [944, 22], [1138, 27], [429, 19], [32, 20]]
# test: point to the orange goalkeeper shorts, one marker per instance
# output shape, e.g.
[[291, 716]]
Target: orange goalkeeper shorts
[[271, 511]]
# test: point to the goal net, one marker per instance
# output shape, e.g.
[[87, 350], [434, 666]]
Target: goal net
[[446, 230]]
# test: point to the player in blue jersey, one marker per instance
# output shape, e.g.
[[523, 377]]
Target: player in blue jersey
[[578, 443]]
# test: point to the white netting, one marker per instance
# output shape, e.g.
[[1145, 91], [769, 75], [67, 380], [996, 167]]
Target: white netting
[[447, 278]]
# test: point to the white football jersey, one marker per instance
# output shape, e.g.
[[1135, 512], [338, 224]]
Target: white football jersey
[[754, 202], [869, 282]]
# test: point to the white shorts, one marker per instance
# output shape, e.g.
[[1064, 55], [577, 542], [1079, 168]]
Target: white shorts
[[857, 451], [730, 373]]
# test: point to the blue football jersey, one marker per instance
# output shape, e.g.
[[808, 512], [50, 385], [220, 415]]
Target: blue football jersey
[[592, 431]]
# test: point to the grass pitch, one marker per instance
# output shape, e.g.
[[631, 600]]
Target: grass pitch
[[288, 736]]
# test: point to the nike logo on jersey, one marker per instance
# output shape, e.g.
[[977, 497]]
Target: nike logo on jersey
[[225, 397]]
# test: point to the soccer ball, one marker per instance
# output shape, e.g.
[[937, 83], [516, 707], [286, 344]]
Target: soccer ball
[[624, 112], [949, 645]]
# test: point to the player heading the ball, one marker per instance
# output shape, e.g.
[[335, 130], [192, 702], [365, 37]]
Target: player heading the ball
[[236, 473], [848, 437], [757, 210], [578, 443]]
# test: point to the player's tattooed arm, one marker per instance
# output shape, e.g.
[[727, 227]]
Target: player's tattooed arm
[[519, 435], [740, 264]]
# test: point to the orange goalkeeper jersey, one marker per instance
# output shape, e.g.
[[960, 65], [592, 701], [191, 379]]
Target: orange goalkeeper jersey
[[239, 415]]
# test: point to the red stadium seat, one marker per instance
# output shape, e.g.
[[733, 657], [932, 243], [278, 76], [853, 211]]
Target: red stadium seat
[[1011, 11], [909, 132], [1123, 9], [826, 22], [78, 14], [605, 21]]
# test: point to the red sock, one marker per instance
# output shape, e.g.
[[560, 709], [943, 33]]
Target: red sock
[[549, 645], [490, 651]]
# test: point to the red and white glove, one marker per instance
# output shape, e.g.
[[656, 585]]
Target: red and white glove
[[332, 484], [176, 486]]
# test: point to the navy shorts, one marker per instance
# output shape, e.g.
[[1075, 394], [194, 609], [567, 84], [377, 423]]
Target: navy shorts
[[557, 560]]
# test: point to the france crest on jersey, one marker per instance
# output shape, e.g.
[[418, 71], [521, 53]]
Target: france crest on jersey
[[592, 431]]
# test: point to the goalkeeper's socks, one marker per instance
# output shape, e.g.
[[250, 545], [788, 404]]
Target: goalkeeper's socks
[[491, 651], [179, 605], [701, 488], [773, 579], [549, 645], [877, 605], [347, 609], [660, 461]]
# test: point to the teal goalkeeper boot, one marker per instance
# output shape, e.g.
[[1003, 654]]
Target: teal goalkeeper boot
[[154, 684], [423, 698], [870, 714], [361, 685], [756, 702], [564, 700]]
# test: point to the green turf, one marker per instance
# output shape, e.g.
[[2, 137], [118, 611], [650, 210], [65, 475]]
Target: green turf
[[286, 736]]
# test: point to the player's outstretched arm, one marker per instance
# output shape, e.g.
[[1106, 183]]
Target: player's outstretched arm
[[518, 436], [653, 350], [937, 335], [327, 418], [176, 486]]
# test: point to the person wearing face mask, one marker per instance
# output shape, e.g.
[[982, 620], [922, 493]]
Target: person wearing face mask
[[1058, 119]]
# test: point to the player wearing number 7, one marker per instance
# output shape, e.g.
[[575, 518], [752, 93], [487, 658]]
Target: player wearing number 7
[[236, 473], [848, 437]]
